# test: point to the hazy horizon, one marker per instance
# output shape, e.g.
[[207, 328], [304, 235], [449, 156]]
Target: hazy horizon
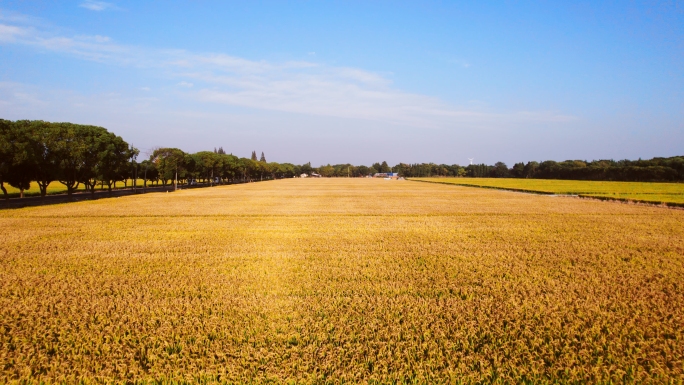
[[356, 82]]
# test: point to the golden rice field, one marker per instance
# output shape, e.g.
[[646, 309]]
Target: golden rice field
[[342, 281], [672, 193]]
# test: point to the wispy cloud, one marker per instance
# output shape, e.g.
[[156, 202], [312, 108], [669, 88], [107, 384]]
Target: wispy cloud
[[95, 39], [98, 5], [8, 33], [302, 87], [461, 63]]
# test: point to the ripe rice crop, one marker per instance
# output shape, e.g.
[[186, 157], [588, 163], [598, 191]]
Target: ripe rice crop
[[672, 193], [342, 280]]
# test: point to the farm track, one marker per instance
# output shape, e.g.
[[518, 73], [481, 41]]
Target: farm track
[[334, 280]]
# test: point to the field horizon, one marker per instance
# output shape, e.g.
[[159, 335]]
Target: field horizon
[[342, 280]]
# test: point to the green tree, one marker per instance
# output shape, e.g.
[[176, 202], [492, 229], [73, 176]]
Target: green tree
[[114, 159], [148, 171], [208, 164], [287, 170], [43, 138], [326, 171], [530, 169], [230, 167], [94, 140], [21, 167], [250, 169], [500, 170], [263, 169], [306, 168], [518, 170], [77, 150], [5, 153], [169, 162]]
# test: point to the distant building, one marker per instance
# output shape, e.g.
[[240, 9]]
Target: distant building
[[303, 176], [386, 175], [314, 175]]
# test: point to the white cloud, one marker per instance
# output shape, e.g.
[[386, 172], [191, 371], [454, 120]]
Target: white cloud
[[14, 17], [164, 118], [97, 5], [15, 94], [461, 63], [9, 33], [94, 39], [302, 87]]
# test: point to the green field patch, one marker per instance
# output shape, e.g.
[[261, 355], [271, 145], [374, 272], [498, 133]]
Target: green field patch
[[665, 193]]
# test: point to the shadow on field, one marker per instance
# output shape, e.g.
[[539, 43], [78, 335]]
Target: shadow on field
[[16, 203]]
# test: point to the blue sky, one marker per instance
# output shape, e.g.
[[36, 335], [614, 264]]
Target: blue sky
[[359, 82]]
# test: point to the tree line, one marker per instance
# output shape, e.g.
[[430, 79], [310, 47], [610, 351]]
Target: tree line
[[651, 170], [167, 165], [75, 154]]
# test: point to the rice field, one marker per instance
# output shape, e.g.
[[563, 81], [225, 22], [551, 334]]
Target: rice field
[[672, 193], [342, 281]]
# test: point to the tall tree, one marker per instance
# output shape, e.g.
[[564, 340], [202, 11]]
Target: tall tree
[[250, 169], [306, 168], [169, 162], [148, 170], [530, 169], [5, 153], [22, 168], [518, 170], [254, 157], [207, 164], [72, 151], [326, 171], [263, 158], [500, 170], [363, 170], [43, 138], [244, 165], [229, 167], [114, 159]]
